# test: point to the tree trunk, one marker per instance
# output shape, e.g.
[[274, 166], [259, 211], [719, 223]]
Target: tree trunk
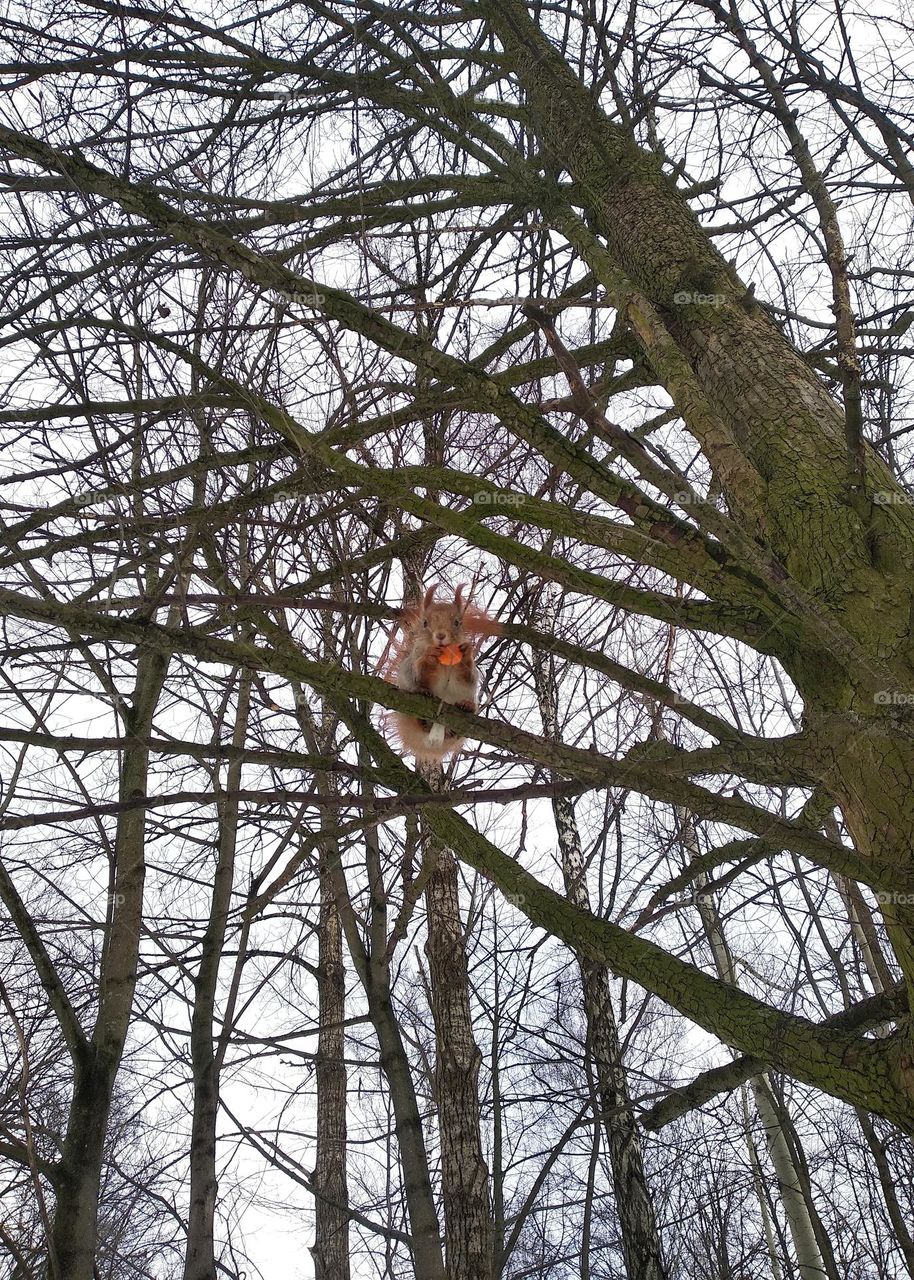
[[331, 1236], [759, 1183], [864, 931], [799, 1212], [75, 1230], [372, 965], [634, 1204], [775, 439], [199, 1256], [469, 1234], [417, 1182], [887, 1183], [794, 1194]]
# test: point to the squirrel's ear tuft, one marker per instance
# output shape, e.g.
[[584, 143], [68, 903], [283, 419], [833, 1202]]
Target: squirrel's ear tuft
[[429, 596], [458, 596]]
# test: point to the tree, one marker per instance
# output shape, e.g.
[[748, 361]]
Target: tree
[[256, 378]]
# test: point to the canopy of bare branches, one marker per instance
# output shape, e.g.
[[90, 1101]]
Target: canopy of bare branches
[[605, 311]]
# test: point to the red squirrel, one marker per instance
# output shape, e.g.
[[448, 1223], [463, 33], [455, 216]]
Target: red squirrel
[[438, 658]]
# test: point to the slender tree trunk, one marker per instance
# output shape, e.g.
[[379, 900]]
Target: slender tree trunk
[[331, 1221], [417, 1182], [863, 928], [795, 1194], [759, 1181], [469, 1234], [887, 1183], [75, 1230], [331, 1237], [634, 1203], [498, 1173], [199, 1257], [373, 968], [810, 1261]]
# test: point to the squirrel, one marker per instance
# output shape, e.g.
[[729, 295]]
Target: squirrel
[[438, 658]]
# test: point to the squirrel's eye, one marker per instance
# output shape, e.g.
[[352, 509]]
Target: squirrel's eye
[[456, 623], [425, 622]]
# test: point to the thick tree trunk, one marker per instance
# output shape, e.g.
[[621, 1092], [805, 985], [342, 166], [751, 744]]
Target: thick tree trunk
[[469, 1234], [776, 441], [331, 1237], [199, 1256], [634, 1204], [75, 1229]]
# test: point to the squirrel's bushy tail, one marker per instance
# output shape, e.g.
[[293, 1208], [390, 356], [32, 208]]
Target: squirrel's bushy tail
[[430, 743]]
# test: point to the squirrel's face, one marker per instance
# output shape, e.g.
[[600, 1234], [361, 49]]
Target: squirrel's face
[[440, 624]]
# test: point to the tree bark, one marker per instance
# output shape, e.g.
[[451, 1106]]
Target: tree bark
[[75, 1230], [469, 1230], [331, 1236]]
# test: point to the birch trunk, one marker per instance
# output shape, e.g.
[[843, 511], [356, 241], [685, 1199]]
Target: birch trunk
[[810, 1262]]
